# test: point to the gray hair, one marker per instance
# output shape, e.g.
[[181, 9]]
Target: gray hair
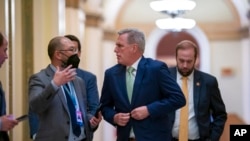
[[134, 36]]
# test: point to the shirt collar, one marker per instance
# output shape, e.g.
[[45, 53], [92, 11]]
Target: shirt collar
[[135, 65], [53, 67], [190, 77]]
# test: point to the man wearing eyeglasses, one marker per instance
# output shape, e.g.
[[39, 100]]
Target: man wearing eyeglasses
[[91, 88], [59, 97]]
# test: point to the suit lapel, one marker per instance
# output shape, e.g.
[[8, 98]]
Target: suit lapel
[[197, 88], [173, 72], [140, 72], [50, 73], [121, 82]]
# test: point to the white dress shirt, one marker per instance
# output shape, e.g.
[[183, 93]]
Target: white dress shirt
[[193, 131]]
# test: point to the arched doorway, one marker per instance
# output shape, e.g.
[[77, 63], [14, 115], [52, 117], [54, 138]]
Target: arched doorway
[[165, 50], [159, 39]]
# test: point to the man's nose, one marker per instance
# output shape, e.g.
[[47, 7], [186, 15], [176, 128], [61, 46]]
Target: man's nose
[[185, 64], [115, 49]]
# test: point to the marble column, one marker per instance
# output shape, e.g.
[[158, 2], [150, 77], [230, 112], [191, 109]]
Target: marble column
[[108, 60], [92, 53]]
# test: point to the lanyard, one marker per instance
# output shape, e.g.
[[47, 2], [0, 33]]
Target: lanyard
[[71, 91]]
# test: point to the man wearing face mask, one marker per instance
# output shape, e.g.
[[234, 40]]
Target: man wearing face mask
[[91, 88], [89, 78], [59, 97]]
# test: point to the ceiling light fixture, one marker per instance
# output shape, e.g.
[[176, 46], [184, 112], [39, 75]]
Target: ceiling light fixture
[[174, 8], [175, 24]]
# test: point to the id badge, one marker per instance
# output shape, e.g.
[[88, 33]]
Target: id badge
[[79, 117]]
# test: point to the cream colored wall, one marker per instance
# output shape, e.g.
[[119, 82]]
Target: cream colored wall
[[246, 81], [227, 54], [49, 21]]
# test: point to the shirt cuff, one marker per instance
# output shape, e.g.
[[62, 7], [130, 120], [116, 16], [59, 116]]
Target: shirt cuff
[[0, 124], [54, 85]]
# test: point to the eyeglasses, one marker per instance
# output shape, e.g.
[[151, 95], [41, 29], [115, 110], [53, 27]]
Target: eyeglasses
[[73, 50]]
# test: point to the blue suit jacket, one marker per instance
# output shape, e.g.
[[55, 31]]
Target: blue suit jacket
[[153, 87], [92, 99], [209, 108], [3, 134]]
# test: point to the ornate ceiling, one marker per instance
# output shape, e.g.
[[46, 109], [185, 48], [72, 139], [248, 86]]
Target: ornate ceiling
[[217, 18]]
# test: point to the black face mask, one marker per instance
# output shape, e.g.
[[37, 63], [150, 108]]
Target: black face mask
[[72, 60]]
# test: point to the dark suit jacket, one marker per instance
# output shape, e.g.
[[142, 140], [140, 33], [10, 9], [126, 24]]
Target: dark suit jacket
[[154, 87], [3, 134], [51, 106], [91, 89], [92, 99], [209, 108]]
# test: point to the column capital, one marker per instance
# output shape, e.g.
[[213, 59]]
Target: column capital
[[72, 3], [93, 19], [109, 34]]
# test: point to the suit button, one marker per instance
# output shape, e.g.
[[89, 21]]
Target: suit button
[[66, 137], [68, 122]]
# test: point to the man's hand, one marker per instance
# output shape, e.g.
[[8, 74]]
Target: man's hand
[[61, 77], [140, 113], [8, 122], [95, 121], [122, 118]]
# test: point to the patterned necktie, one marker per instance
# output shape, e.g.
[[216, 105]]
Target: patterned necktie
[[130, 81], [183, 129], [72, 110]]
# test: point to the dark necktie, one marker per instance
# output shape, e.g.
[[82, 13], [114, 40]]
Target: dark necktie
[[72, 110]]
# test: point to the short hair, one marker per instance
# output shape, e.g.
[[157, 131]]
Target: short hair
[[1, 38], [74, 38], [186, 44], [134, 36], [54, 44]]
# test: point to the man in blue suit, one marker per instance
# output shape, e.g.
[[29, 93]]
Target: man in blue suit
[[6, 121], [91, 90], [155, 94], [207, 114]]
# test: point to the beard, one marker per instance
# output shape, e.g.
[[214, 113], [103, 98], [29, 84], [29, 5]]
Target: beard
[[185, 71]]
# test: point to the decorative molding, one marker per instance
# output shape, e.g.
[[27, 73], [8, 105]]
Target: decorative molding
[[72, 3], [213, 31], [224, 31], [109, 35], [93, 19]]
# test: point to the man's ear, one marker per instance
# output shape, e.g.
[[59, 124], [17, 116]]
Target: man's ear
[[58, 55], [79, 54], [135, 47]]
